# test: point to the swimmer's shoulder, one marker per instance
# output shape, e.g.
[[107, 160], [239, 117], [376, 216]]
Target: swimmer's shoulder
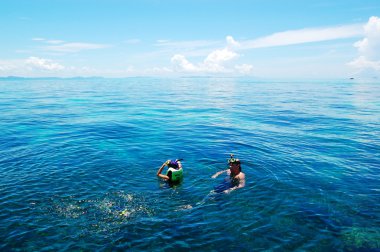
[[240, 176]]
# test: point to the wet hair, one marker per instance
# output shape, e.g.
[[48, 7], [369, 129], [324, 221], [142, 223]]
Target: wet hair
[[173, 164]]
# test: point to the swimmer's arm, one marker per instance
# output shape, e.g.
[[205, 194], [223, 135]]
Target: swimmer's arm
[[160, 170], [240, 185], [218, 173], [163, 176], [241, 180], [233, 188], [230, 190]]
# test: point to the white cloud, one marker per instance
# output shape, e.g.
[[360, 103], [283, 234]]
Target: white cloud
[[307, 35], [214, 62], [217, 60], [369, 47], [60, 46], [219, 56], [8, 65], [48, 41], [363, 63], [186, 45], [231, 42], [55, 41], [75, 47], [159, 70], [43, 64], [41, 67], [192, 48], [182, 64], [32, 66], [244, 68]]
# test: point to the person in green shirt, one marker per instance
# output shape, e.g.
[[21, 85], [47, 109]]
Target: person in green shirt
[[174, 172]]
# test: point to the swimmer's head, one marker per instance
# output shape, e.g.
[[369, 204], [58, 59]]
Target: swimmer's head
[[174, 163], [234, 165]]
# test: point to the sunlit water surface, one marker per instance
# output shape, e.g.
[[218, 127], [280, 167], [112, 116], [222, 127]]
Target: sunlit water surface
[[78, 163]]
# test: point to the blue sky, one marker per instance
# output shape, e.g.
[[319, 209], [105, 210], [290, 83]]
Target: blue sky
[[262, 38]]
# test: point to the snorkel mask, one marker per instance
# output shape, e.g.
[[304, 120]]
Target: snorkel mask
[[231, 159]]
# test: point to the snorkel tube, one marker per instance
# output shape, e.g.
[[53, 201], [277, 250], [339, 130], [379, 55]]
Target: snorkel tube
[[231, 159]]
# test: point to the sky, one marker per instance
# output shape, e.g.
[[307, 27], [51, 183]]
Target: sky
[[258, 38]]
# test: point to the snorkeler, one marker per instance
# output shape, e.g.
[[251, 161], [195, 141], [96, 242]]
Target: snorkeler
[[174, 172], [237, 177]]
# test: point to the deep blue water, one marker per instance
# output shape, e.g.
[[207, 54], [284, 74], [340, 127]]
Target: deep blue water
[[74, 154]]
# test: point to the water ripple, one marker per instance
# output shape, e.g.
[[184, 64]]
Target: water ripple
[[78, 163]]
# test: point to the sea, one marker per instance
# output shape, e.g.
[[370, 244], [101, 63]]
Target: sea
[[79, 157]]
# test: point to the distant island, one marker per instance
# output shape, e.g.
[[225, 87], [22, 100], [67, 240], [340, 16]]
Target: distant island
[[48, 78]]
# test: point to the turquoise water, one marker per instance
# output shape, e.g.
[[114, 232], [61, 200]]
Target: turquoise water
[[75, 153]]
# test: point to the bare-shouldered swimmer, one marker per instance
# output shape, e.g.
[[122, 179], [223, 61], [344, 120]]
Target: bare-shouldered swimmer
[[236, 176]]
